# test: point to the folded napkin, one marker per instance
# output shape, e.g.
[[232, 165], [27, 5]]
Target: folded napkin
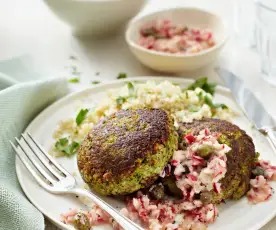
[[20, 102]]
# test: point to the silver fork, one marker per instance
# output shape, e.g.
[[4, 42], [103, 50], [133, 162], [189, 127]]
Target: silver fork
[[55, 179]]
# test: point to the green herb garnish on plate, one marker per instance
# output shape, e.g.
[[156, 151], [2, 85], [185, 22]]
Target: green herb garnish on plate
[[81, 116], [62, 145], [131, 89], [200, 96], [120, 100], [95, 82], [73, 148], [203, 84], [209, 102], [74, 80], [122, 76]]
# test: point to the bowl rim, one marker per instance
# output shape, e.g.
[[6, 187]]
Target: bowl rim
[[176, 55]]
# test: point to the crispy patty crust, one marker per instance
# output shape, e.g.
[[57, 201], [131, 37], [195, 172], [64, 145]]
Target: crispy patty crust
[[127, 150], [240, 158]]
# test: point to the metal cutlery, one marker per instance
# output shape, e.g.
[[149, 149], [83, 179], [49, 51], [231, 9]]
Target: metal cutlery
[[55, 179]]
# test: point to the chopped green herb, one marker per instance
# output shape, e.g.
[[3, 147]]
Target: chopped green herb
[[209, 102], [176, 84], [95, 82], [200, 96], [74, 80], [81, 116], [73, 148], [131, 89], [203, 84], [152, 32], [223, 106], [120, 100], [61, 144], [121, 76], [198, 83], [210, 88]]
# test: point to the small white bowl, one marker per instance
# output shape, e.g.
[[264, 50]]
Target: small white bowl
[[176, 63], [95, 17]]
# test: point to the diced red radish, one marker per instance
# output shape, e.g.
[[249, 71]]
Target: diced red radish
[[217, 187], [190, 138], [174, 162]]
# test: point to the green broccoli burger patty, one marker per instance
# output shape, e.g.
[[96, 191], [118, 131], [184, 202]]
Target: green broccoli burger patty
[[240, 159], [127, 151]]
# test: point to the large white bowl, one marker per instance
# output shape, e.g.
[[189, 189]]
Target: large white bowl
[[95, 17], [175, 63]]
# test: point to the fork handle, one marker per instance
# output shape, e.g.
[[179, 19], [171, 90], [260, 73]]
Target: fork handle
[[125, 222]]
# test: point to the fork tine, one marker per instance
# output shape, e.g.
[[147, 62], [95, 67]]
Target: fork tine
[[29, 168], [38, 167], [42, 159], [50, 158]]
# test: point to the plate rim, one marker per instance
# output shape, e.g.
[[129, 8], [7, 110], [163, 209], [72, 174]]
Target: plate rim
[[109, 84]]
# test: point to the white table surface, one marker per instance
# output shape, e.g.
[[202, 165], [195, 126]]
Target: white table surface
[[29, 28]]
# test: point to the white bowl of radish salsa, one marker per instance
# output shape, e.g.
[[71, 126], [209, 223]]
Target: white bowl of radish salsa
[[177, 40]]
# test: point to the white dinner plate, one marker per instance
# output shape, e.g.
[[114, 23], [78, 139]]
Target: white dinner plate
[[234, 215]]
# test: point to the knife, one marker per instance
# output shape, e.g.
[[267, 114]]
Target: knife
[[250, 104]]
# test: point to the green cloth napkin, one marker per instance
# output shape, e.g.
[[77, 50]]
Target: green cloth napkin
[[19, 104]]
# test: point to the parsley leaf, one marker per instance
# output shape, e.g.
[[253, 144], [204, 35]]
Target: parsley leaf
[[95, 82], [122, 76], [61, 144], [131, 89], [81, 116], [209, 102], [203, 84], [120, 100], [73, 148], [74, 80], [223, 106], [200, 96], [210, 88]]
